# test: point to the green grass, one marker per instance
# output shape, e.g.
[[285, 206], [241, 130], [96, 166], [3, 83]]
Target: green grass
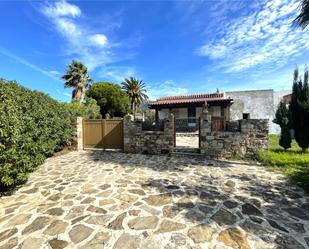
[[292, 163]]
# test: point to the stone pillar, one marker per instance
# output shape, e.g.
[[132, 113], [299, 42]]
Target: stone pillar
[[205, 132], [129, 131], [205, 123], [169, 131], [79, 133], [169, 124]]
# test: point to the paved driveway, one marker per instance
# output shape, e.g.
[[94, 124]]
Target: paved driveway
[[115, 200]]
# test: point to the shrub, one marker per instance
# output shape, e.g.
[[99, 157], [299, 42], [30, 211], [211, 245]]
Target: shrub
[[110, 97], [285, 138], [89, 109], [283, 119], [32, 126]]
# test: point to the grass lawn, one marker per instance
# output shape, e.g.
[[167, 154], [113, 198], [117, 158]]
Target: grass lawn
[[291, 163]]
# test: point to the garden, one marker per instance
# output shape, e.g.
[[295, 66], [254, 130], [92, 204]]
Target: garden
[[34, 126], [293, 162]]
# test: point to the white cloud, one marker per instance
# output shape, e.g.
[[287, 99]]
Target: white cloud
[[81, 41], [60, 9], [99, 39], [54, 72], [167, 88], [264, 39], [28, 64], [117, 74]]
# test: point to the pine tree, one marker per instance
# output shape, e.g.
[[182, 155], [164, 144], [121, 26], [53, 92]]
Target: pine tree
[[299, 108], [283, 119]]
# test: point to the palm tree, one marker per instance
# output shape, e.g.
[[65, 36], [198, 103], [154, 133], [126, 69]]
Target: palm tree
[[77, 77], [302, 20], [135, 89]]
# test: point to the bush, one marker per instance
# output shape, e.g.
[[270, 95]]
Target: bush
[[89, 109], [110, 97], [32, 126], [285, 137]]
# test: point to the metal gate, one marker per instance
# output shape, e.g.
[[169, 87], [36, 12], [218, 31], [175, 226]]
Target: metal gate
[[103, 133]]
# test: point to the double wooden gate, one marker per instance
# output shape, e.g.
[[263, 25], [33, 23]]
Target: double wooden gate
[[103, 133]]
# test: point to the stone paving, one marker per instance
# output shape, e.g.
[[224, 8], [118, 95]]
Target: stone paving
[[96, 199], [190, 140]]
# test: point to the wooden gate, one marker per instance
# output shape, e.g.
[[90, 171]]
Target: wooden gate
[[103, 133]]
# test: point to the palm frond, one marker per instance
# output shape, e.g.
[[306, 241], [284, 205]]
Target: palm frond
[[77, 77], [302, 20]]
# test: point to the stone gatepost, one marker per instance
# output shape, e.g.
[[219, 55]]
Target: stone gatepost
[[129, 131], [79, 133], [205, 123], [169, 131], [205, 131]]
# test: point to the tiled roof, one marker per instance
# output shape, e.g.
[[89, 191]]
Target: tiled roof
[[195, 98]]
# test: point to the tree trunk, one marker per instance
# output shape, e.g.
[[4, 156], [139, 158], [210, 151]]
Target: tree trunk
[[78, 94], [133, 110]]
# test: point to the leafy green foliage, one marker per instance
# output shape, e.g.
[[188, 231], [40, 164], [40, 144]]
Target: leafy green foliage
[[285, 137], [77, 77], [136, 91], [283, 119], [293, 163], [111, 99], [88, 110], [282, 115], [299, 108], [32, 126]]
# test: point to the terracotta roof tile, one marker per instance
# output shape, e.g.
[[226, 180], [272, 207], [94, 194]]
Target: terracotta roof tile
[[194, 98]]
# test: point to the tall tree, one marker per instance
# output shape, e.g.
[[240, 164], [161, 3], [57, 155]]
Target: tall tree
[[302, 20], [299, 108], [110, 97], [77, 77], [283, 119], [135, 89]]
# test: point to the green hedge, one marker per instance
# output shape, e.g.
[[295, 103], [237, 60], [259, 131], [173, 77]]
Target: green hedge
[[32, 126]]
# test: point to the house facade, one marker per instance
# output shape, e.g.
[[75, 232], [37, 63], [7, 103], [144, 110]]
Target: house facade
[[187, 109], [223, 107]]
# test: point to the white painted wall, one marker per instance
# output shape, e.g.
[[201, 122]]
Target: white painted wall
[[261, 104]]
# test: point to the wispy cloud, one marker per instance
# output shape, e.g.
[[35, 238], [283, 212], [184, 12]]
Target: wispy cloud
[[264, 39], [82, 41], [54, 72], [27, 64], [117, 74], [166, 88]]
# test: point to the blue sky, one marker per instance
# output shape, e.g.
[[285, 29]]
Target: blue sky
[[176, 47]]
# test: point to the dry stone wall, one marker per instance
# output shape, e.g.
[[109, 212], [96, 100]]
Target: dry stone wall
[[137, 140], [253, 136]]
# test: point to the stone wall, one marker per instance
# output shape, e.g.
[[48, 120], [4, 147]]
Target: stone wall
[[253, 136], [137, 140]]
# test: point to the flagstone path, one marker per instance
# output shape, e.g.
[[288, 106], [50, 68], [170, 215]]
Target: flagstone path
[[120, 201]]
